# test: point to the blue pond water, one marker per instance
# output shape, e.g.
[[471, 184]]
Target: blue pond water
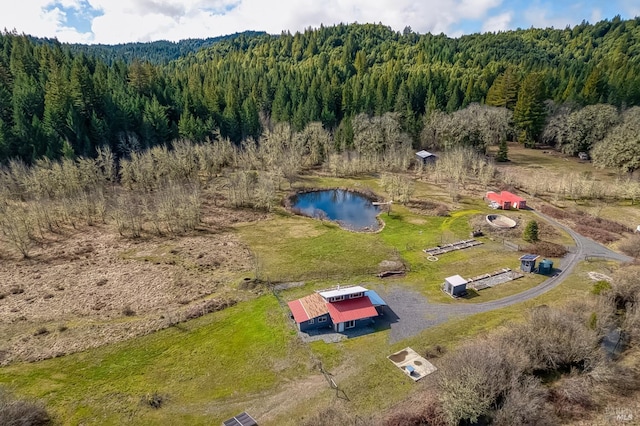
[[349, 209]]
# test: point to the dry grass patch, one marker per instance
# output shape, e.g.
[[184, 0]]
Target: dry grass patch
[[106, 288]]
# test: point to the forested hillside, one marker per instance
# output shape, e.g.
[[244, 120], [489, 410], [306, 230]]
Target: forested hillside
[[56, 101], [156, 52]]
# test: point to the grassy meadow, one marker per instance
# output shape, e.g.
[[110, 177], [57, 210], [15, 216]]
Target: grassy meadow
[[248, 357]]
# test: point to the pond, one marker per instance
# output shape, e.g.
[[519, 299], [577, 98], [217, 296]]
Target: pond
[[349, 209]]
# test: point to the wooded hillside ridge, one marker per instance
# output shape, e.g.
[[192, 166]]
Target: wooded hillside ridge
[[56, 101]]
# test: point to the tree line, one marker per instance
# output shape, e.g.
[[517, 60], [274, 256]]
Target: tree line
[[58, 100]]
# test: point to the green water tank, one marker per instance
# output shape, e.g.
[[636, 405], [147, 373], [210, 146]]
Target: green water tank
[[545, 267]]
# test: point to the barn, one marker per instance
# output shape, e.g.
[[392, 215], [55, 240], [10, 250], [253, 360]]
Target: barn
[[505, 200]]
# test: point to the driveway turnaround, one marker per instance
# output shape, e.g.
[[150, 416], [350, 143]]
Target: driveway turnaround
[[415, 313]]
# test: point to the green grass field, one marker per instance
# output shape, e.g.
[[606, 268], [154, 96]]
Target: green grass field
[[238, 351]]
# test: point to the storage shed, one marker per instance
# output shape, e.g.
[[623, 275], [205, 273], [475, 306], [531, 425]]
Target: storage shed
[[455, 285], [545, 267], [425, 157], [528, 262]]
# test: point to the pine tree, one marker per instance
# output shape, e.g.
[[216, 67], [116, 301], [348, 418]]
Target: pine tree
[[529, 114], [503, 92], [530, 233], [503, 152]]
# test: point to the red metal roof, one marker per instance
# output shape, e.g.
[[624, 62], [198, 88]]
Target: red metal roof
[[351, 310], [508, 196], [504, 196], [493, 196], [298, 311], [311, 306]]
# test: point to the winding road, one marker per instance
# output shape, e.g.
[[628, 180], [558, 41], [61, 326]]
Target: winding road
[[415, 313]]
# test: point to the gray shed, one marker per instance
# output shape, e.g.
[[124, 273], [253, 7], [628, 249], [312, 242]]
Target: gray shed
[[528, 262], [455, 285], [425, 157]]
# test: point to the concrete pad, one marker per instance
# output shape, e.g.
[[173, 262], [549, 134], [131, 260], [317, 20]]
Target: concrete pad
[[412, 364]]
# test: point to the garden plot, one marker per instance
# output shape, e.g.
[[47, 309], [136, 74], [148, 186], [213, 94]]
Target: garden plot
[[459, 245], [494, 278]]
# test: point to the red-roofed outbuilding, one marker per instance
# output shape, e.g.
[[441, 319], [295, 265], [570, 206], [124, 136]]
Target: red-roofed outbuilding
[[506, 200]]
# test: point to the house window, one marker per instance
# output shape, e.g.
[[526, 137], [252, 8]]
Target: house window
[[311, 321], [356, 295], [349, 324], [337, 298], [322, 319]]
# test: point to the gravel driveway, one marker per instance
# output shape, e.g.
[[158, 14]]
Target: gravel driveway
[[415, 313]]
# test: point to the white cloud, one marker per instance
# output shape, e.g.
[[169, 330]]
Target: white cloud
[[143, 20], [541, 17], [497, 23]]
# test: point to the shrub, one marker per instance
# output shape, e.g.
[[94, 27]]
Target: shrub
[[208, 306], [329, 417], [547, 249], [474, 378], [554, 212], [19, 412], [554, 340], [600, 287], [598, 234], [153, 400], [625, 287], [631, 246], [525, 404], [572, 397], [422, 409], [435, 351], [127, 311], [621, 379], [41, 331]]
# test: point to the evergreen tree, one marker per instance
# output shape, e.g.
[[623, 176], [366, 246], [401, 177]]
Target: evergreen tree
[[529, 114], [503, 152], [530, 233], [504, 90]]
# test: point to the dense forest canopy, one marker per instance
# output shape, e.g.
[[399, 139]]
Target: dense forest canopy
[[156, 52], [60, 100]]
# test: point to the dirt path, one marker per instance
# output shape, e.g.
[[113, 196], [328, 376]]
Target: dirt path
[[416, 313]]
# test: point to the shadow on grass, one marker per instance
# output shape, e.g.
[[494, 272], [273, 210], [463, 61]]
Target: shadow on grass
[[471, 294]]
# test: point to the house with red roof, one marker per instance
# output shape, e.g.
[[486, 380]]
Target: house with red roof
[[506, 200], [340, 308]]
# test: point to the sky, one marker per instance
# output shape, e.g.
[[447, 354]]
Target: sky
[[122, 21]]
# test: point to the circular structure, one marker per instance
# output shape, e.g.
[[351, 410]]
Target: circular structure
[[500, 221], [432, 259]]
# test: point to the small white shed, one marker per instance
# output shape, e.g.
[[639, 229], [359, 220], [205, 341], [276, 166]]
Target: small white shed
[[455, 285]]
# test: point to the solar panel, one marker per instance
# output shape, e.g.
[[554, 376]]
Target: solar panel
[[529, 257], [242, 419]]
